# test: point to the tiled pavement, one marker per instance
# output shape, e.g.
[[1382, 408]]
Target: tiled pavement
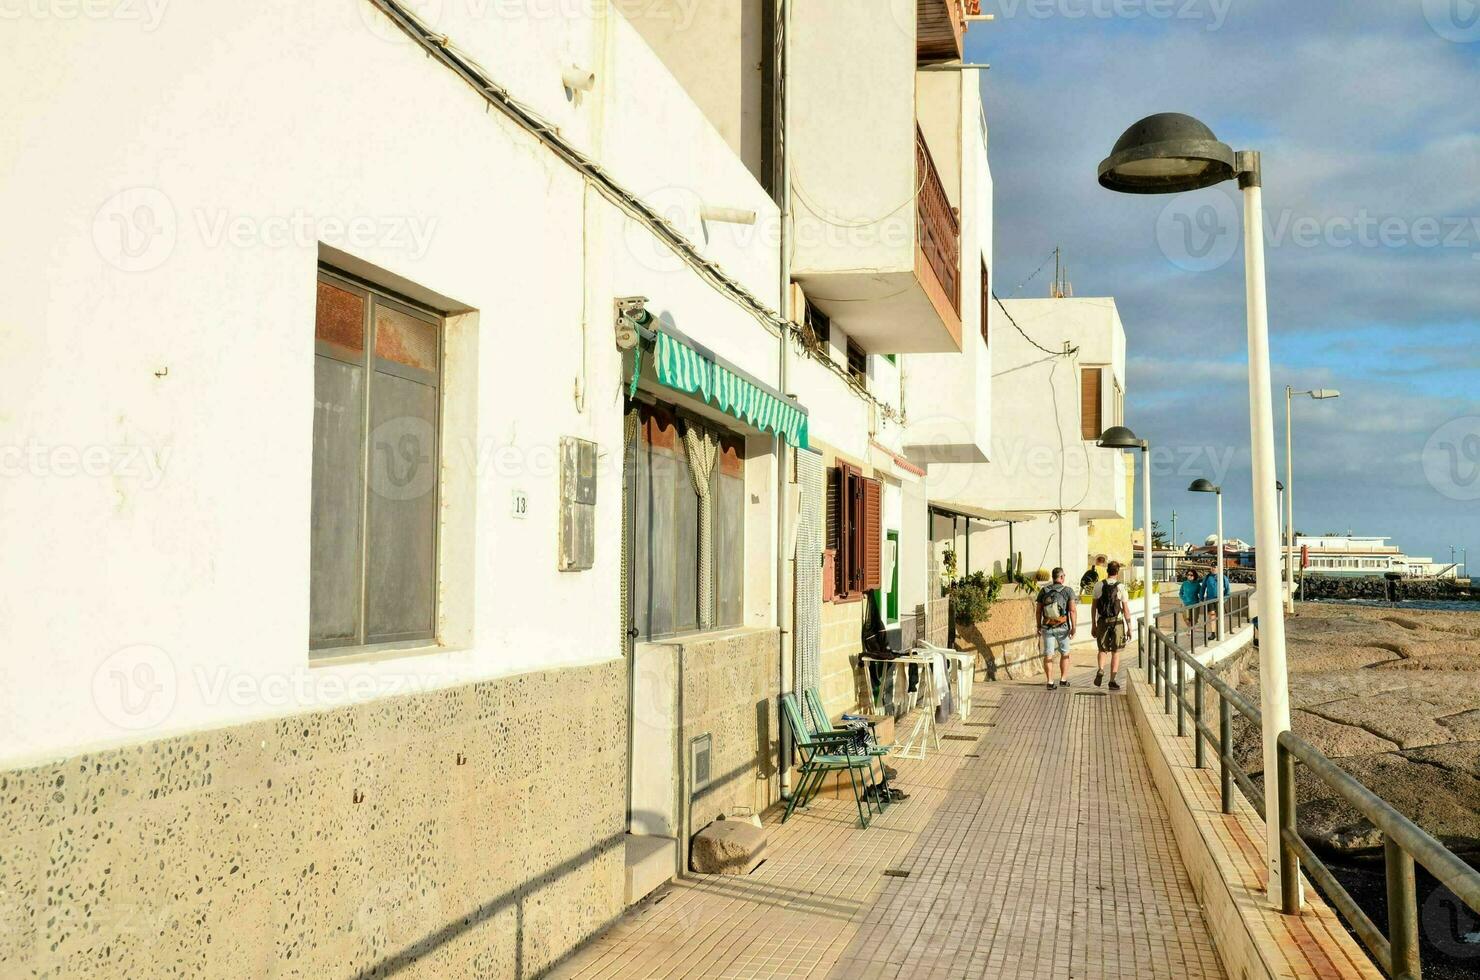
[[1035, 846]]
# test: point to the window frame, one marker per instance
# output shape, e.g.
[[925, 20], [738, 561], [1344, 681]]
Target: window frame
[[370, 362], [651, 409], [850, 576], [857, 363], [1099, 403]]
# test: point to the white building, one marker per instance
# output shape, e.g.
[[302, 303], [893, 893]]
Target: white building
[[1358, 555], [1058, 381], [356, 551]]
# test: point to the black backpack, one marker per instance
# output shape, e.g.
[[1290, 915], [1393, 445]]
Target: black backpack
[[1107, 606]]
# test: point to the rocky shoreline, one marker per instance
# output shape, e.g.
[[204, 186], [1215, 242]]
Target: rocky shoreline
[[1401, 590], [1394, 698]]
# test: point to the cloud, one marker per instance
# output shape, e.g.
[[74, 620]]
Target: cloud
[[1363, 112]]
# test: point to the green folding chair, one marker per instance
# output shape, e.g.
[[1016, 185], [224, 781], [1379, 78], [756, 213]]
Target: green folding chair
[[822, 725], [822, 754]]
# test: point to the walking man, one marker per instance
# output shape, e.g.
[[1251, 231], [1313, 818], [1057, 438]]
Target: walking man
[[1190, 594], [1057, 607], [1214, 586], [1110, 623]]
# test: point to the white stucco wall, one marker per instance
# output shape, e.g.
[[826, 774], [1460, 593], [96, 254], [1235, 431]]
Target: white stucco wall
[[851, 95], [224, 145], [1039, 460], [948, 397]]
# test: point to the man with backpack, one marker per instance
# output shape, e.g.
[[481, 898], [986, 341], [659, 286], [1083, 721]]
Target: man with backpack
[[1110, 623], [1057, 606]]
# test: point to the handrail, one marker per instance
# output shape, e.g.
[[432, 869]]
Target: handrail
[[1396, 951]]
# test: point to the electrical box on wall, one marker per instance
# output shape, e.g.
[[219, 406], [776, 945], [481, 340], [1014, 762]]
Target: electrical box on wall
[[577, 504]]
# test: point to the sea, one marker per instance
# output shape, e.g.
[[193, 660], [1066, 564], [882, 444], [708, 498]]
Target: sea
[[1442, 605]]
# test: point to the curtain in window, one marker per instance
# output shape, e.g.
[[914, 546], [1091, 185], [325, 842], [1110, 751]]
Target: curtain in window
[[703, 450]]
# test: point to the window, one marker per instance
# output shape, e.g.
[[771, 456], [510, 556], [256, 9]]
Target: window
[[857, 364], [986, 302], [377, 399], [1091, 419], [853, 533], [665, 548]]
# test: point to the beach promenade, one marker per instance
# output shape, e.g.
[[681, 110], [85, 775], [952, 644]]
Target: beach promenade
[[1033, 845]]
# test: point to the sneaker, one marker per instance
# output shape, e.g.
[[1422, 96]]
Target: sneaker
[[1114, 685], [1099, 678], [1064, 683], [1052, 686]]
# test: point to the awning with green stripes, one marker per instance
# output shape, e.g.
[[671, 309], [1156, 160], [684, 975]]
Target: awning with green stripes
[[684, 369]]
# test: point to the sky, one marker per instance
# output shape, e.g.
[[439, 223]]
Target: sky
[[1367, 114]]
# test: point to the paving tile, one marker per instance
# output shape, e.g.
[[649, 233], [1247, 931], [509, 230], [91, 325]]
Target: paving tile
[[1046, 855]]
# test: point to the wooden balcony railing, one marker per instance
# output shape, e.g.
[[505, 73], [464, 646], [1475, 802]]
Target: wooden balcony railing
[[937, 228]]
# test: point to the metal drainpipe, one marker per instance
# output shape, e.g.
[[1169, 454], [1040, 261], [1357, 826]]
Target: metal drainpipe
[[784, 640]]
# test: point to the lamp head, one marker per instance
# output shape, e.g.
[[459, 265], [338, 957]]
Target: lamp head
[[1323, 393], [1119, 437], [1201, 485], [1279, 486], [1167, 153]]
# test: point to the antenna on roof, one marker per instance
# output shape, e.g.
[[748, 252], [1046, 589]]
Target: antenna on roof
[[1061, 287]]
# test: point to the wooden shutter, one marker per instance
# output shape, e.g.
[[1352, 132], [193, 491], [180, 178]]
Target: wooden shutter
[[833, 580], [872, 532], [1091, 422]]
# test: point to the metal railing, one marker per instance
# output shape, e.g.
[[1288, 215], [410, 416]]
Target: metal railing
[[937, 227], [1396, 951]]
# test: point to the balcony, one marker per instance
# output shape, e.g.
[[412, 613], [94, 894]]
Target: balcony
[[941, 27], [876, 168], [938, 231]]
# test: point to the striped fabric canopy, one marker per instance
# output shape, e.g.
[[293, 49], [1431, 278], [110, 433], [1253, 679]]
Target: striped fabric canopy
[[684, 369]]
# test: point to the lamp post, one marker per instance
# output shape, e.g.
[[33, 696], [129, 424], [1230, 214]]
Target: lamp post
[[1206, 486], [1170, 153], [1174, 545], [1119, 437], [1280, 490], [1319, 394]]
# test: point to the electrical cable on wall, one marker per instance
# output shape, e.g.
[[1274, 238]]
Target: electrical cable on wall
[[466, 67]]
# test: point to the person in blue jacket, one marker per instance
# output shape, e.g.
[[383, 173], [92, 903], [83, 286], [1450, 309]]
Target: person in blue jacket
[[1191, 593], [1212, 587]]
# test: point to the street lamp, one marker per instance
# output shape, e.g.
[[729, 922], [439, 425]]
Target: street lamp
[[1280, 489], [1319, 394], [1119, 437], [1170, 153], [1206, 486]]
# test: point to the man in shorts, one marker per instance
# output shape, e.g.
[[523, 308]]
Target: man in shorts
[[1057, 606], [1110, 623]]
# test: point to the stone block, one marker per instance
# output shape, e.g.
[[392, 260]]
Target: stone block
[[727, 847]]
